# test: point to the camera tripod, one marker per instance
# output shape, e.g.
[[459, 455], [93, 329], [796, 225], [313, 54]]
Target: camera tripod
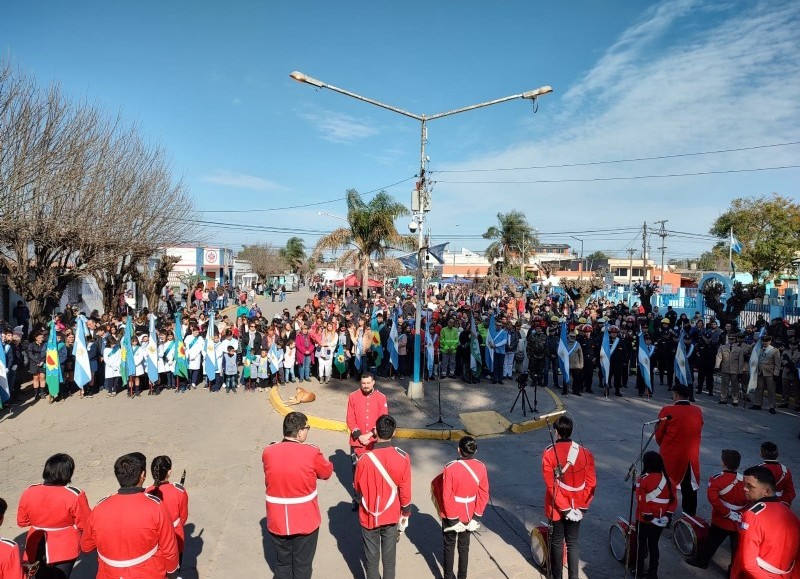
[[522, 382], [439, 422]]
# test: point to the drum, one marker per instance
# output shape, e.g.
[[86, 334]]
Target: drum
[[688, 533], [539, 540], [622, 544]]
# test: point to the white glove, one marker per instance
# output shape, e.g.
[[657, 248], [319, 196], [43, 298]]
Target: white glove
[[402, 524], [735, 516], [459, 527], [574, 515], [473, 526], [661, 522]]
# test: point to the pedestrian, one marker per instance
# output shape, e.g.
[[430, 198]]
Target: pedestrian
[[448, 344], [231, 369], [784, 484], [37, 351], [364, 406], [195, 346], [570, 479], [57, 514], [383, 483], [769, 370], [730, 363], [462, 493], [131, 529], [291, 471], [10, 565], [656, 501], [112, 358], [678, 435], [769, 540], [261, 368], [174, 498]]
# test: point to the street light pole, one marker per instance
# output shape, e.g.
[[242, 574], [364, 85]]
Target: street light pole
[[421, 195], [583, 265]]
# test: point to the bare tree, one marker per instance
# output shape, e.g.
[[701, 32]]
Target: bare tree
[[728, 311], [265, 259], [645, 290], [581, 289]]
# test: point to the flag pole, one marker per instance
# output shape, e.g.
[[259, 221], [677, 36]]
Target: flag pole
[[730, 252]]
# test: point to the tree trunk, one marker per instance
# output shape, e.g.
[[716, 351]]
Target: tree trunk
[[42, 309], [365, 275]]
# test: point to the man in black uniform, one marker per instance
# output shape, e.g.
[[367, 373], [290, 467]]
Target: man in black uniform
[[589, 347], [536, 345]]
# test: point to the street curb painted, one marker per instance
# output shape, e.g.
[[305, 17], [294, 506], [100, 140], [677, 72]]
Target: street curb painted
[[417, 433]]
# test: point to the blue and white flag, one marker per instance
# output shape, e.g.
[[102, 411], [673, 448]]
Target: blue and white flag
[[210, 355], [151, 355], [682, 368], [5, 390], [83, 369], [273, 358], [490, 344], [410, 261], [736, 247], [127, 346], [645, 353], [429, 345], [437, 252], [754, 357], [564, 350], [392, 343], [359, 349], [605, 355]]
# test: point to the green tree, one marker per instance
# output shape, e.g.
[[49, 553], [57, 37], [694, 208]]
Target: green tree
[[597, 256], [716, 259], [768, 228], [294, 254], [370, 233], [512, 235]]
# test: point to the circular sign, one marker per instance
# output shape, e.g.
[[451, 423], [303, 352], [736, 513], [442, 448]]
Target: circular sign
[[211, 256]]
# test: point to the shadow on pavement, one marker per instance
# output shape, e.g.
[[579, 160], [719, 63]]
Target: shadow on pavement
[[425, 533], [344, 527], [510, 528], [266, 542], [343, 467], [191, 552]]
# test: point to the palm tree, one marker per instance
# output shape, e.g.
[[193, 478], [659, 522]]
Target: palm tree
[[371, 232], [294, 254], [513, 235]]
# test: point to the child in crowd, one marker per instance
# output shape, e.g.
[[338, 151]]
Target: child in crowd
[[230, 369], [289, 357], [278, 362], [262, 369]]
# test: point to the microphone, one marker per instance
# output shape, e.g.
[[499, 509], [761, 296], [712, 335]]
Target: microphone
[[667, 417]]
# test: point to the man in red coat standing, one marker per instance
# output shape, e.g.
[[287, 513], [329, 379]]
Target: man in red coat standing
[[678, 435], [570, 479], [291, 471], [10, 565], [364, 406], [769, 540], [383, 481]]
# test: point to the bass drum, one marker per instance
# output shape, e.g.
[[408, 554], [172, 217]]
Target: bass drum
[[688, 533], [539, 540], [621, 544]]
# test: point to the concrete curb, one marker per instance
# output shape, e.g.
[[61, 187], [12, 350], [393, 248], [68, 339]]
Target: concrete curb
[[417, 433]]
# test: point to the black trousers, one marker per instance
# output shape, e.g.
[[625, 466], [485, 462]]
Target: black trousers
[[451, 539], [717, 536], [295, 555], [569, 532], [688, 494], [587, 376], [647, 536], [380, 546]]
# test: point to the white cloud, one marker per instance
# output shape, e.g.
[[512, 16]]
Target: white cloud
[[241, 181], [337, 127]]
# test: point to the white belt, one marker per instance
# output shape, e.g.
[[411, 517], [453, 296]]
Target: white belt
[[129, 562], [731, 506], [771, 569], [566, 487], [176, 522], [53, 529], [659, 501], [291, 500], [464, 500]]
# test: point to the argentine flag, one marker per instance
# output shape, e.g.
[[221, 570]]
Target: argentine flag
[[736, 247], [210, 355], [127, 352], [490, 340], [272, 357], [5, 391], [605, 354], [83, 369], [151, 355], [563, 353], [645, 352], [682, 368], [754, 357], [392, 343], [359, 349]]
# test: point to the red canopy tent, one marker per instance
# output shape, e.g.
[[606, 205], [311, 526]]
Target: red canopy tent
[[353, 281]]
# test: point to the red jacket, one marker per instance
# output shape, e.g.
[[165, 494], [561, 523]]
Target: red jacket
[[10, 565], [291, 470], [385, 490], [784, 485], [726, 494], [679, 439], [176, 501], [654, 498], [769, 541], [133, 535], [575, 488], [57, 513], [465, 490], [362, 413]]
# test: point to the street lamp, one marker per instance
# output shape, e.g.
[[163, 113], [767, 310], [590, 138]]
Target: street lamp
[[583, 265], [420, 197]]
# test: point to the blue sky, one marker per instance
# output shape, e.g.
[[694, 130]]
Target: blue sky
[[209, 82]]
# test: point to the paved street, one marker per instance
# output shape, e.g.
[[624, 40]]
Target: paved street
[[218, 439]]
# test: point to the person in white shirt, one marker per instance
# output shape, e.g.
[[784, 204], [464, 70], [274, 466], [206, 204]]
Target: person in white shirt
[[135, 380], [111, 358], [195, 346]]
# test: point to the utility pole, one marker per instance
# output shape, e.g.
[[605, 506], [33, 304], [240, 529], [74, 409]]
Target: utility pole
[[522, 267], [662, 233], [631, 251], [644, 251]]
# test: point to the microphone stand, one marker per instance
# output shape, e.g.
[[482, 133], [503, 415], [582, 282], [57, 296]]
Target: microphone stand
[[440, 421], [632, 476]]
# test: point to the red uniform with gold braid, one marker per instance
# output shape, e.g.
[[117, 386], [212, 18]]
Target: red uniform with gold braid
[[133, 535], [653, 500], [383, 481], [769, 542], [362, 412], [56, 513], [465, 490], [575, 488], [679, 440], [726, 495], [176, 501], [10, 565], [784, 485], [291, 470]]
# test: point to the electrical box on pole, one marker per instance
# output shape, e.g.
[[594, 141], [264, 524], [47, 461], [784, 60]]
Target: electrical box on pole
[[420, 200]]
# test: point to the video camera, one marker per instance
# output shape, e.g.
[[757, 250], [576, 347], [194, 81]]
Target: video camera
[[522, 380]]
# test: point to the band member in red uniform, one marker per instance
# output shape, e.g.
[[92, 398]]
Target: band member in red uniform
[[56, 514], [291, 471], [173, 496], [656, 501], [727, 498], [383, 481], [131, 529], [464, 496], [769, 540], [784, 485], [569, 478], [364, 406], [678, 437], [10, 565]]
